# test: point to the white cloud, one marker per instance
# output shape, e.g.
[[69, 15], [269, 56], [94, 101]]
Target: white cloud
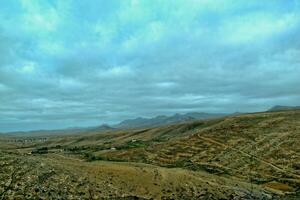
[[3, 88], [258, 26], [117, 71], [52, 47], [82, 59], [38, 17], [166, 85], [69, 84], [29, 68]]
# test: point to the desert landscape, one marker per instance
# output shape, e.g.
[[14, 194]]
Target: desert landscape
[[246, 156], [149, 100]]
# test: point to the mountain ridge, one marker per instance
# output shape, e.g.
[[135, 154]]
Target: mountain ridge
[[141, 122], [283, 108], [165, 120]]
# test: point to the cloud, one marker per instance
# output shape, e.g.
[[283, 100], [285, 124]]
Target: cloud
[[259, 26], [72, 63]]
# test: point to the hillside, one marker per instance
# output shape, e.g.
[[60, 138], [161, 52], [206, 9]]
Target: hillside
[[139, 122], [283, 108], [247, 156], [165, 120]]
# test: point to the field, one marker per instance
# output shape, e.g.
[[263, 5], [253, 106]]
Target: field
[[248, 156]]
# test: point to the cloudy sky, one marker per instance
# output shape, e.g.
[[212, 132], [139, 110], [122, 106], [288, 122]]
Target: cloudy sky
[[66, 63]]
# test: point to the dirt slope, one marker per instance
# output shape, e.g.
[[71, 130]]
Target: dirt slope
[[251, 156]]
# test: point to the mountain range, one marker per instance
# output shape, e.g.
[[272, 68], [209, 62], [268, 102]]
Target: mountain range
[[239, 156], [142, 122], [164, 120]]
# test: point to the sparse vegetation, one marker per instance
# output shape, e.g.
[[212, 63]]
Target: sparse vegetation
[[40, 150], [211, 159]]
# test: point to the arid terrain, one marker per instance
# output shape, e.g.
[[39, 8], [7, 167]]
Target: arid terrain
[[246, 156]]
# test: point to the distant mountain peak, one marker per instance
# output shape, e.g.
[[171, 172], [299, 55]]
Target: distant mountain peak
[[164, 120], [282, 108]]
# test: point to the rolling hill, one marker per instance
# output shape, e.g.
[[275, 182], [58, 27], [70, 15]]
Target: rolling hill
[[164, 120], [247, 156], [282, 108]]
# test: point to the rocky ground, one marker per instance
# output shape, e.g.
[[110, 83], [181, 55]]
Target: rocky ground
[[253, 156], [52, 177]]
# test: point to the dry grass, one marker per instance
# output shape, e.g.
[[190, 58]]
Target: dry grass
[[207, 159]]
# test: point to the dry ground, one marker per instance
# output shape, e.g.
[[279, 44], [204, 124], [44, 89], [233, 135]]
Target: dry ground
[[250, 156]]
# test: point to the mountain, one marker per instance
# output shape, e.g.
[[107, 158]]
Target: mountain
[[67, 131], [139, 122], [103, 127], [164, 120], [282, 108], [245, 156]]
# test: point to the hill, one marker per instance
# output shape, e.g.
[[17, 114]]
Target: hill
[[126, 124], [164, 120], [67, 131], [247, 156], [282, 108]]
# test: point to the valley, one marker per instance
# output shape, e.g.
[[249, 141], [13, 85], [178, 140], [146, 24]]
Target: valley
[[245, 156]]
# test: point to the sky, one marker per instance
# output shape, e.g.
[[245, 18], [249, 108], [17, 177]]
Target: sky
[[77, 63]]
